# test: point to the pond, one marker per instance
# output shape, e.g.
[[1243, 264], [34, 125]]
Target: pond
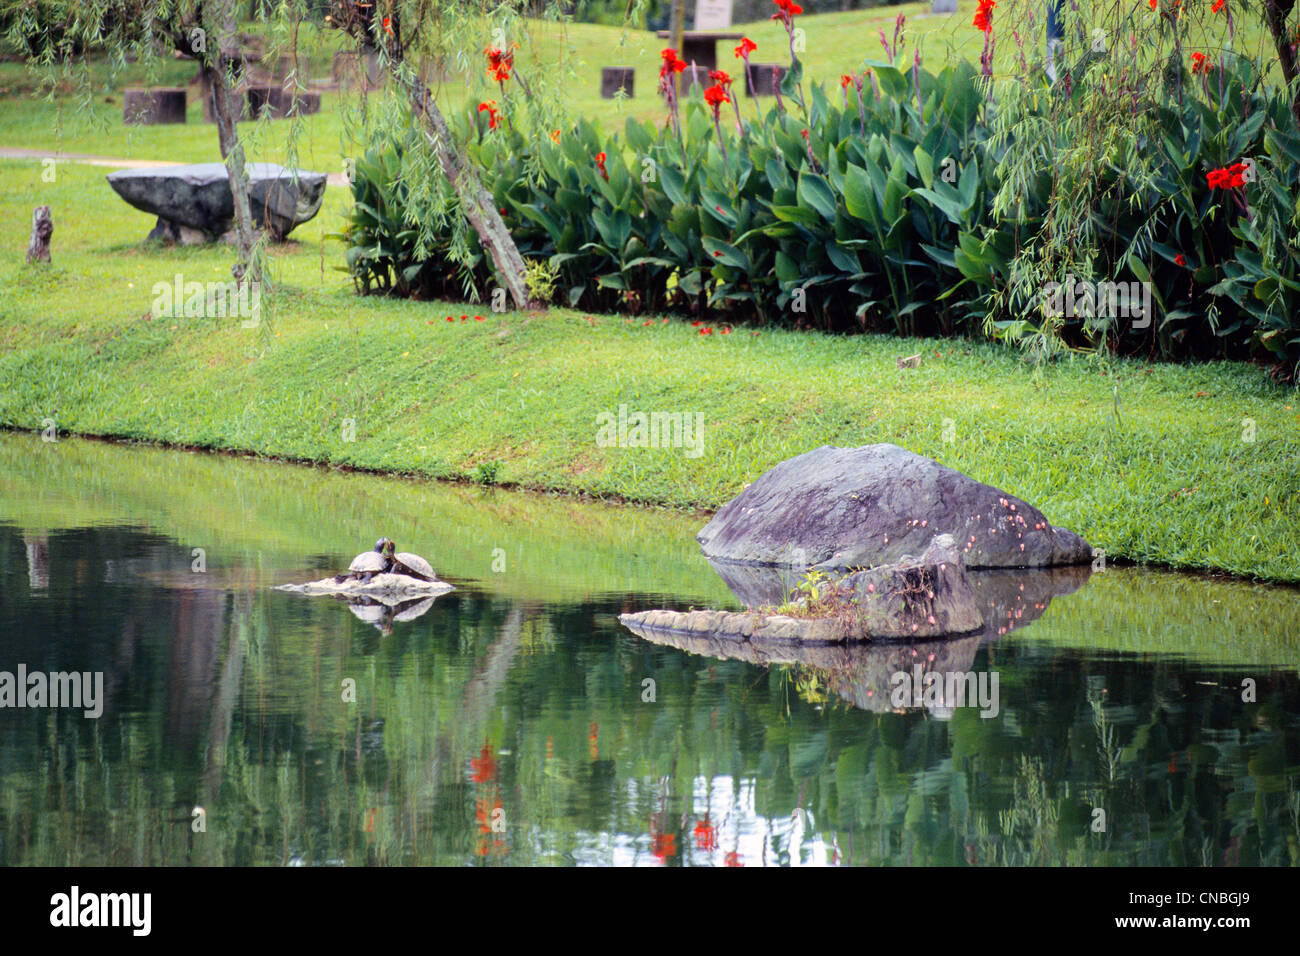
[[1141, 718]]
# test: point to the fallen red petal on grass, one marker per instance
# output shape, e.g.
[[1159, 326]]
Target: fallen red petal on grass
[[478, 318]]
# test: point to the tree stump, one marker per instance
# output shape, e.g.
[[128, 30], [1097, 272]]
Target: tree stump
[[38, 249], [765, 79], [153, 107], [615, 78]]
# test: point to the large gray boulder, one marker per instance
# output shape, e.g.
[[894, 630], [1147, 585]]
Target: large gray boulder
[[841, 508], [198, 198]]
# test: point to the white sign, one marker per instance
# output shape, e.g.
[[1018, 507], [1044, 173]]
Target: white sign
[[712, 14]]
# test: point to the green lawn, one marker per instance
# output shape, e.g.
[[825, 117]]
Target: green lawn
[[1168, 479]]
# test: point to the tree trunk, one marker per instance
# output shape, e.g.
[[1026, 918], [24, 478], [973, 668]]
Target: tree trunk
[[676, 27], [38, 249], [218, 61], [476, 202], [1275, 14]]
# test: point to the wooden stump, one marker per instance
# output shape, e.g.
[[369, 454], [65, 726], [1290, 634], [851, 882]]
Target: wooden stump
[[765, 79], [38, 249], [153, 107], [615, 78]]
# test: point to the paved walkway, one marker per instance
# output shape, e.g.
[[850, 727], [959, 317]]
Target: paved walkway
[[14, 152]]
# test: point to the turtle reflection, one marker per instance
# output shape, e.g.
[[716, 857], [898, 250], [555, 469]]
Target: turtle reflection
[[382, 615]]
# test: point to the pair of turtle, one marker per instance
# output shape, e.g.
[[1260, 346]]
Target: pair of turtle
[[384, 560]]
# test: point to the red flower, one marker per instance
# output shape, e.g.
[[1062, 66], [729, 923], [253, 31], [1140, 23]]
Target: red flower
[[984, 16], [671, 63], [744, 48], [1153, 3], [490, 106], [845, 80], [1200, 64], [804, 134], [451, 318], [733, 858], [1230, 177], [715, 96], [555, 136], [1218, 5], [600, 164], [1180, 260], [500, 63], [786, 9], [706, 331], [706, 837], [388, 25], [478, 318], [721, 78]]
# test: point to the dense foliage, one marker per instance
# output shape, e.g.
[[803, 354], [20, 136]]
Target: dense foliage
[[904, 200]]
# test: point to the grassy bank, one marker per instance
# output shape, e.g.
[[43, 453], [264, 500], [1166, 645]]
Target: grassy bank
[[1148, 462]]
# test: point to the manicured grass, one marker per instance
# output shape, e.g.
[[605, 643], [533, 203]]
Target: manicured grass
[[1168, 479]]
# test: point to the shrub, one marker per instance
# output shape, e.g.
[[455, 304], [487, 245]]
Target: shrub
[[903, 201]]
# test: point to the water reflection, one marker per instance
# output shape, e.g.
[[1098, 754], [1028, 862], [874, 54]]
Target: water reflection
[[516, 722]]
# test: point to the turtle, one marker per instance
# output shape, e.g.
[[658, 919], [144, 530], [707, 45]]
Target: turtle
[[367, 564], [411, 565]]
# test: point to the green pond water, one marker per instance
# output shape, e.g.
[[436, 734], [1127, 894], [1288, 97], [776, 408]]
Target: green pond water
[[515, 721]]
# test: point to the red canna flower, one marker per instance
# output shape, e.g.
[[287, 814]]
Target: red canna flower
[[785, 10], [1200, 64], [1153, 3], [845, 80], [1218, 5], [721, 78], [804, 134], [1180, 260], [715, 96], [600, 164], [500, 63], [671, 63], [744, 48], [555, 136], [451, 318], [490, 106], [984, 16], [1230, 177], [388, 25], [479, 318]]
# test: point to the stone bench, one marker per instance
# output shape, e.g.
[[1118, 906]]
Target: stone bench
[[194, 203], [615, 78], [153, 106]]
